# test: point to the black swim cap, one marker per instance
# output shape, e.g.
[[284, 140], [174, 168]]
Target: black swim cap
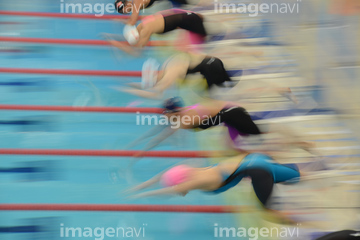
[[172, 105], [119, 5]]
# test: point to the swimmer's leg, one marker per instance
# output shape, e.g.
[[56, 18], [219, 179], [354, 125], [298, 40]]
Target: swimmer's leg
[[288, 138], [263, 184], [341, 235]]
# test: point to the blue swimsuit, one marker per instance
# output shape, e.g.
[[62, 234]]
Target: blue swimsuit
[[264, 172]]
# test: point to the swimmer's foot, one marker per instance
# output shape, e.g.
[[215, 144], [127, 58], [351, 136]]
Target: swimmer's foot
[[310, 147], [319, 175], [286, 92], [305, 145], [106, 36]]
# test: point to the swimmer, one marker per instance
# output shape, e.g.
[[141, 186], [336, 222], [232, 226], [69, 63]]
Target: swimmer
[[199, 116], [155, 82], [262, 169], [134, 7], [159, 23], [342, 235], [206, 115]]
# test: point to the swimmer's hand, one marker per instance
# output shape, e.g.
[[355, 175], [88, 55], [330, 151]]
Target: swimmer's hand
[[135, 196], [126, 89], [141, 93], [105, 36], [130, 90], [136, 157], [130, 194], [169, 191], [139, 154], [129, 191], [109, 36], [120, 44], [143, 185], [120, 89]]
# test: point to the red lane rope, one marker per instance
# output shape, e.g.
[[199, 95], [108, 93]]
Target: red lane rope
[[120, 208], [91, 42], [72, 72], [64, 15], [81, 109], [104, 153]]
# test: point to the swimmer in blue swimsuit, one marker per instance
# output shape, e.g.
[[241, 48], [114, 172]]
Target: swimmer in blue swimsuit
[[262, 169], [264, 173]]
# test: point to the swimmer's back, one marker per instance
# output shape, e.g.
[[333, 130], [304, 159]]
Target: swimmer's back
[[206, 109], [152, 24], [279, 172]]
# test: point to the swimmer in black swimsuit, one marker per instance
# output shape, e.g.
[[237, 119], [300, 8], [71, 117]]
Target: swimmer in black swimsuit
[[210, 114], [155, 82], [160, 23], [202, 116], [134, 7]]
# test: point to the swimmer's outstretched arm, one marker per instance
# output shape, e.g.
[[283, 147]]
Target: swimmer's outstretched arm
[[167, 132], [146, 184], [135, 85], [144, 36], [159, 192], [143, 93], [172, 74], [125, 47], [153, 93], [152, 132]]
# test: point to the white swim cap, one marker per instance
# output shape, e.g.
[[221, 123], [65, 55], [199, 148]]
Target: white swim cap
[[149, 73], [131, 34]]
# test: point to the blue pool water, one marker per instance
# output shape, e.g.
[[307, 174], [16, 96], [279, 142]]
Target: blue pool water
[[91, 180]]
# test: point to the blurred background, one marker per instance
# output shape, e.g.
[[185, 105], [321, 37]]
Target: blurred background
[[314, 51]]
